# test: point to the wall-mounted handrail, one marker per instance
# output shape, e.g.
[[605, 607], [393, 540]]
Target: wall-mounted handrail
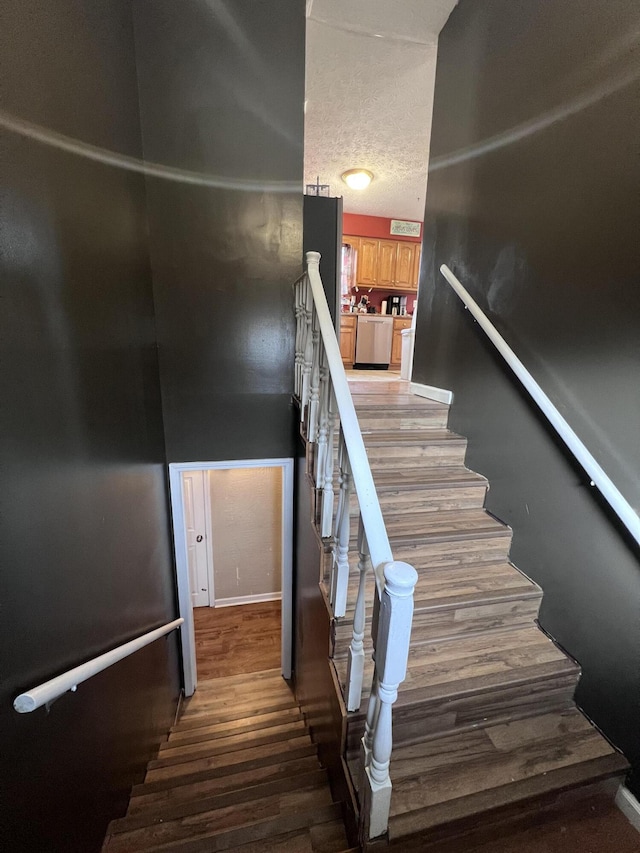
[[599, 478], [55, 687]]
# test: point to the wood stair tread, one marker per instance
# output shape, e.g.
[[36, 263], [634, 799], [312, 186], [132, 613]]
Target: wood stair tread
[[197, 717], [176, 752], [213, 731], [461, 585], [210, 783], [469, 664], [398, 401], [279, 750], [180, 809], [448, 778], [250, 832]]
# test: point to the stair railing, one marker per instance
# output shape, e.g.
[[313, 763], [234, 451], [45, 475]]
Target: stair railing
[[326, 407], [50, 690], [598, 477]]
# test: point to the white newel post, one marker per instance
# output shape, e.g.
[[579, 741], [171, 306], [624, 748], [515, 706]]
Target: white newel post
[[392, 652], [327, 491], [355, 665], [343, 530]]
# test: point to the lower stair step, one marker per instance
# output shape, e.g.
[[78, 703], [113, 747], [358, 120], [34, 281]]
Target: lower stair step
[[442, 780], [200, 837], [473, 681], [152, 796]]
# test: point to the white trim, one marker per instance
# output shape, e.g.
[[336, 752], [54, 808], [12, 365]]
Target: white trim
[[610, 492], [208, 533], [182, 563], [440, 395], [249, 599], [55, 687], [629, 806]]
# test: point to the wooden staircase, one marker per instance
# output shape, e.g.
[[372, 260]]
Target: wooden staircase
[[485, 720], [237, 772]]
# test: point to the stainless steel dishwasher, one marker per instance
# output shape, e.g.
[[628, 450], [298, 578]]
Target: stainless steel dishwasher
[[373, 340]]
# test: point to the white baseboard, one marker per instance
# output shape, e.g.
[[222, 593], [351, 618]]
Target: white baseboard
[[248, 599], [440, 395], [629, 806]]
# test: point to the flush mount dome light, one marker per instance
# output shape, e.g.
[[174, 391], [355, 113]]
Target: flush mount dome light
[[357, 179]]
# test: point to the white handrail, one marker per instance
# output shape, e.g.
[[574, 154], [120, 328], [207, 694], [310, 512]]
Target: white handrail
[[50, 690], [616, 500], [379, 547]]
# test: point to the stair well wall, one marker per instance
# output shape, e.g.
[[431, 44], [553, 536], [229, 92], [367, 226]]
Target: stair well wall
[[532, 201], [84, 528]]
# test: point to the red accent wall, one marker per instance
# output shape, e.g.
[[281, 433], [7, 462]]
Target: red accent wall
[[372, 226]]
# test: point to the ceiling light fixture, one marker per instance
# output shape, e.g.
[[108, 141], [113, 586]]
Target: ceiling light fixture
[[357, 179]]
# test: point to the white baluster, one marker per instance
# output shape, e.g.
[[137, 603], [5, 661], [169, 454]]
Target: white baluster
[[341, 546], [299, 309], [334, 570], [323, 420], [314, 387], [355, 664], [392, 652], [327, 473], [307, 357]]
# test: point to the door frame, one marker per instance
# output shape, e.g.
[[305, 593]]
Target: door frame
[[190, 673]]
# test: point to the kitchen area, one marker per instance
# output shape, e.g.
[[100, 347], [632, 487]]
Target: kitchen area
[[378, 290]]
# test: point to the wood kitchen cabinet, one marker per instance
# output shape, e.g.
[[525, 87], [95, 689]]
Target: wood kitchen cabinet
[[386, 264], [348, 338], [399, 323]]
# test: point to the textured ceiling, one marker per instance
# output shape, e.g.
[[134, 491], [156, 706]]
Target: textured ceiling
[[369, 96]]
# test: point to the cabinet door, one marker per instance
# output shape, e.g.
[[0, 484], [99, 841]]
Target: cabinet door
[[405, 263], [352, 241], [367, 261], [416, 269], [396, 348], [387, 263], [348, 341]]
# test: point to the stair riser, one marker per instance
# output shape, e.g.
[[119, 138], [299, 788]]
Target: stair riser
[[386, 422], [426, 500], [398, 457], [429, 626], [426, 719], [489, 549]]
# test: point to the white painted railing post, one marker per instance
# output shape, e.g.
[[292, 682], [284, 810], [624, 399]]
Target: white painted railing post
[[323, 421], [314, 387], [329, 465], [343, 531], [355, 665], [307, 350], [299, 290], [392, 653]]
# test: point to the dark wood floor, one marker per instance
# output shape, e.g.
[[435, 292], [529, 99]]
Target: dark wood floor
[[234, 640]]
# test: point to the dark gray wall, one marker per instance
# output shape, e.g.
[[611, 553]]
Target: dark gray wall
[[86, 560], [533, 202], [221, 95]]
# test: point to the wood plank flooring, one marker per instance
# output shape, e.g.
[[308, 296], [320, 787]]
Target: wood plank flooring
[[236, 640], [234, 775], [485, 721]]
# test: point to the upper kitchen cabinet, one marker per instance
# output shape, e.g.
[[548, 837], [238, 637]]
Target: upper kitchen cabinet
[[386, 264], [405, 265], [387, 261], [367, 267]]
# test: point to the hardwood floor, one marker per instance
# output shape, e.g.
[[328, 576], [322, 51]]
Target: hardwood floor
[[236, 640]]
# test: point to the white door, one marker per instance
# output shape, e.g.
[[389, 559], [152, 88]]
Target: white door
[[193, 490]]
